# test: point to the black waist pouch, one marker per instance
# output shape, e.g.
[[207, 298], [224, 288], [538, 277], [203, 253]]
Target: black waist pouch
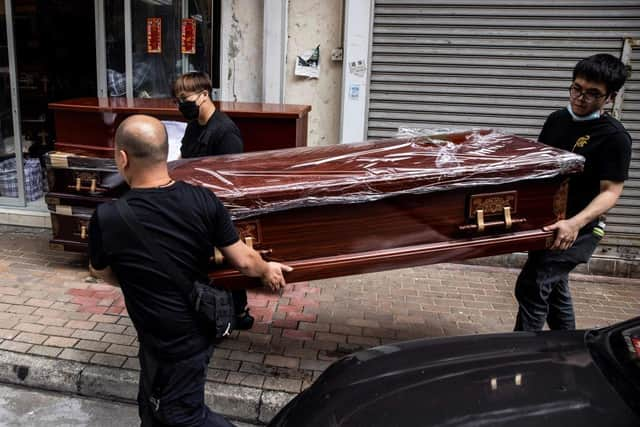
[[214, 307]]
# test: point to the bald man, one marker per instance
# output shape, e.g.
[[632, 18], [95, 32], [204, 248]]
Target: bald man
[[187, 222]]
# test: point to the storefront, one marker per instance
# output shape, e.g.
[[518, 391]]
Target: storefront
[[50, 51]]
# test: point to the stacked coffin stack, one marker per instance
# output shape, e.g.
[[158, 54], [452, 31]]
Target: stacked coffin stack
[[77, 185]]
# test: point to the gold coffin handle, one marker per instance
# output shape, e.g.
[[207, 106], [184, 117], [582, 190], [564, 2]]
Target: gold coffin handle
[[249, 241], [92, 186], [480, 220], [481, 225], [218, 258], [83, 232], [508, 222]]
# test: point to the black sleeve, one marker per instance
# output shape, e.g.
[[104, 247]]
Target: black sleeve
[[613, 162], [222, 231], [97, 255], [189, 143], [229, 143], [544, 136]]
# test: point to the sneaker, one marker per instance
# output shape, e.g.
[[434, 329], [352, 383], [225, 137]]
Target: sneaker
[[244, 320]]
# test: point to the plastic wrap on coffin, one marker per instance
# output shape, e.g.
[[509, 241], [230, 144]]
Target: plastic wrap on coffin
[[355, 208]]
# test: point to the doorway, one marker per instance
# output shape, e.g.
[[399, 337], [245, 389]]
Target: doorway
[[54, 45], [55, 55]]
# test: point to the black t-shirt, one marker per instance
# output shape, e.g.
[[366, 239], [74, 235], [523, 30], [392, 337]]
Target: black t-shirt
[[218, 136], [605, 145], [187, 222]]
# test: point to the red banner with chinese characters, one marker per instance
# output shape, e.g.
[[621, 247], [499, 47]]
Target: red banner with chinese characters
[[188, 44], [154, 35]]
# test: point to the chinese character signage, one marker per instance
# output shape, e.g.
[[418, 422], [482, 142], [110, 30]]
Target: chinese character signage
[[154, 35], [188, 44]]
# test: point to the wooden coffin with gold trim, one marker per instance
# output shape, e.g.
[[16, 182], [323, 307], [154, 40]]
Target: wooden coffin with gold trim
[[379, 205]]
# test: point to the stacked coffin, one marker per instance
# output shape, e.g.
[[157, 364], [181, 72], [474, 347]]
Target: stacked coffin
[[77, 184]]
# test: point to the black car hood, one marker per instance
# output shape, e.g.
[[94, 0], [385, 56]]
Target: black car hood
[[517, 379]]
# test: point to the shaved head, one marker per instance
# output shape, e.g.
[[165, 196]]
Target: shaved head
[[144, 139]]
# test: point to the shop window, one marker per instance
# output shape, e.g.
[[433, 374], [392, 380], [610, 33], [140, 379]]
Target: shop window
[[158, 55]]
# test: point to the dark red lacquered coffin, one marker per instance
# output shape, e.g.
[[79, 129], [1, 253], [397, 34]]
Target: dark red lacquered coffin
[[356, 208]]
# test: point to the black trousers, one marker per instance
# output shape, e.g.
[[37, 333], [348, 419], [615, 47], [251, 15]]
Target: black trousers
[[542, 288], [239, 300], [172, 394]]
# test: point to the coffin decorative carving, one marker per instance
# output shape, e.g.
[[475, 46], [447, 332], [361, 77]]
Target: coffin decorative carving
[[560, 200], [493, 203]]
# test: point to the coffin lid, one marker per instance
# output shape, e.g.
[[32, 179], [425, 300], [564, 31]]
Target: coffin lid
[[252, 184]]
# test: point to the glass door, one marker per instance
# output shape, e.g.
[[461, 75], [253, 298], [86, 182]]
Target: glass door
[[149, 43], [11, 160]]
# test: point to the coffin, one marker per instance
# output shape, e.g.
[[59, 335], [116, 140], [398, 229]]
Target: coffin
[[357, 208], [87, 126]]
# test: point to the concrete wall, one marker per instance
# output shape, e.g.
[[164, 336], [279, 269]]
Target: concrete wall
[[241, 51], [312, 23]]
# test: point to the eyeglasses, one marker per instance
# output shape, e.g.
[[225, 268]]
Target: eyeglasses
[[588, 96]]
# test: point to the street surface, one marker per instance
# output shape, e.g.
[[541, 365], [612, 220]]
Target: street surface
[[21, 407]]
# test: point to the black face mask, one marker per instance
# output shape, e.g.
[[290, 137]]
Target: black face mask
[[189, 109]]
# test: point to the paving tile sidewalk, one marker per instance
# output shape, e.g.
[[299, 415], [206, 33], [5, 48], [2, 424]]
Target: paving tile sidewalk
[[61, 329]]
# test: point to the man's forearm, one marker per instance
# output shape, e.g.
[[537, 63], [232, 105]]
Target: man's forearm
[[253, 265], [599, 205], [250, 263]]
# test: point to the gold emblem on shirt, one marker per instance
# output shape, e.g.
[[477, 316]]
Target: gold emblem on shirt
[[581, 142]]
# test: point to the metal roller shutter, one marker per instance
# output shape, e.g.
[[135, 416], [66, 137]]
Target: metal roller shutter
[[623, 221], [502, 64]]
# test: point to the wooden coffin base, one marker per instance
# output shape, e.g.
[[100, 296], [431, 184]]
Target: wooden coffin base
[[374, 261], [67, 246], [391, 259]]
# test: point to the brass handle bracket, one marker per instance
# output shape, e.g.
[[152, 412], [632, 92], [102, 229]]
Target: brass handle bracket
[[92, 187], [481, 225]]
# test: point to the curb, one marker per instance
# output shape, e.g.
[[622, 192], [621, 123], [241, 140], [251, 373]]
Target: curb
[[237, 402]]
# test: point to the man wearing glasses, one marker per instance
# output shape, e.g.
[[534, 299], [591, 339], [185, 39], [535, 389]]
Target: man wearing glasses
[[542, 288]]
